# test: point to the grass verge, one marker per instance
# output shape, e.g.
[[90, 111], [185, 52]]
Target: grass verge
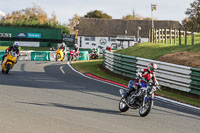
[[154, 51], [94, 67]]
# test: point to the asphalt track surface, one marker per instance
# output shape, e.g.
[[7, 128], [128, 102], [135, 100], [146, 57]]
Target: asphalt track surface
[[49, 97]]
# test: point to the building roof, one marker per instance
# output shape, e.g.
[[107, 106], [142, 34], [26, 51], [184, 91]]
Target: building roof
[[116, 27]]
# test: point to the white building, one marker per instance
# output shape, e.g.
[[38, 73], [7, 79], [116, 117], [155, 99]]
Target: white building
[[116, 33]]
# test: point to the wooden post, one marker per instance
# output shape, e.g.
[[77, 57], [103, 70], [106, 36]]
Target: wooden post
[[170, 32], [192, 38], [165, 36], [162, 40], [156, 36], [159, 36], [128, 43], [185, 36], [175, 36], [152, 35], [179, 36]]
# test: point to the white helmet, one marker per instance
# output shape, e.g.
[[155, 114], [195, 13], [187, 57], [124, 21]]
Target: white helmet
[[63, 44], [76, 45], [15, 44], [152, 67]]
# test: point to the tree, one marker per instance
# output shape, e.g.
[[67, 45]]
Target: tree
[[130, 17], [97, 14], [148, 18], [134, 16], [192, 22], [33, 17], [53, 21], [73, 23]]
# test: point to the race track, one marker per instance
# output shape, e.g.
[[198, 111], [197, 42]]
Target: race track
[[49, 97]]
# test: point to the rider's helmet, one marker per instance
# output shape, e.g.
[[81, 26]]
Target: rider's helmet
[[15, 45], [152, 67], [76, 45], [63, 44]]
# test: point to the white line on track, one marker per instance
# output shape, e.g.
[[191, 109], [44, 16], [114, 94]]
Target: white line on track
[[158, 97], [61, 69]]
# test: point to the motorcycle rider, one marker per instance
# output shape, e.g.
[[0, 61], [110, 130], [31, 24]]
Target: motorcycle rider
[[146, 75], [62, 47], [94, 54], [94, 51], [76, 48], [12, 48]]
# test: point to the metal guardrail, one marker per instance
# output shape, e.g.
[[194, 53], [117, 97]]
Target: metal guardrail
[[195, 84], [120, 64], [45, 55], [169, 75]]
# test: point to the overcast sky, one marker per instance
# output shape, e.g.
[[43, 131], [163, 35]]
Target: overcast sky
[[65, 9]]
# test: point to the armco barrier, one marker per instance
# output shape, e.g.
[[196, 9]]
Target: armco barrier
[[195, 84], [40, 56], [169, 75], [25, 56], [1, 54], [44, 55], [120, 64]]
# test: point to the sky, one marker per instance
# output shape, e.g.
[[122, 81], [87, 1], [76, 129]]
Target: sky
[[65, 9]]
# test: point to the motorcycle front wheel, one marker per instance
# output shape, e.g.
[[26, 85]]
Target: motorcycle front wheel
[[3, 71], [123, 107], [8, 67], [145, 110]]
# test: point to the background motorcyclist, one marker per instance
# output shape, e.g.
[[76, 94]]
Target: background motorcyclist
[[62, 47], [14, 48], [76, 48], [146, 75], [109, 48], [94, 54], [94, 50]]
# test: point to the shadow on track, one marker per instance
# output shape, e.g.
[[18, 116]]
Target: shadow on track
[[53, 78], [104, 111]]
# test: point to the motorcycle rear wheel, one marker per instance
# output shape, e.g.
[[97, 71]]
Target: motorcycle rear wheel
[[123, 107], [145, 110]]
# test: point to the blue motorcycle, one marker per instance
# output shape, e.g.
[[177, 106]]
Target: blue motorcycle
[[141, 97]]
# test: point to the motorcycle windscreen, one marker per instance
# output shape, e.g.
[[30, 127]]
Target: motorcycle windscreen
[[143, 84], [131, 83]]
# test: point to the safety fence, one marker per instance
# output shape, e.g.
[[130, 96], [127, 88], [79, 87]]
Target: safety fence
[[45, 55], [169, 75]]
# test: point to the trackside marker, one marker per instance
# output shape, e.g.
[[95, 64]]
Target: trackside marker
[[125, 86]]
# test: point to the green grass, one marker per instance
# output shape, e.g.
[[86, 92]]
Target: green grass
[[92, 67], [154, 51]]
